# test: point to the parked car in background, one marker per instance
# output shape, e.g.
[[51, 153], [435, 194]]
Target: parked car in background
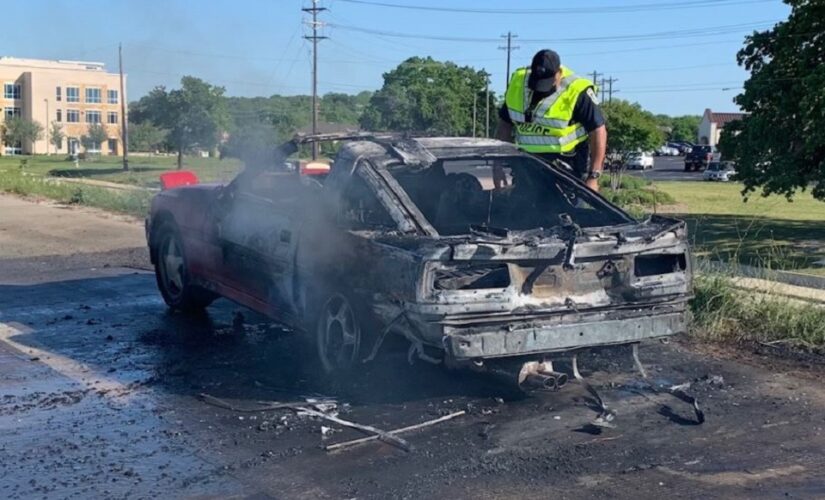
[[666, 151], [640, 161], [722, 171], [683, 147], [680, 147], [698, 158]]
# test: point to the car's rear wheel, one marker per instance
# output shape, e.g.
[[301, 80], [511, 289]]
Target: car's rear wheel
[[339, 334], [172, 274]]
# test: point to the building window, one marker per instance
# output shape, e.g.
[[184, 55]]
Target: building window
[[11, 112], [72, 94], [112, 146], [14, 149], [111, 118], [58, 94], [112, 96], [11, 91], [92, 116], [72, 115], [93, 96], [59, 115]]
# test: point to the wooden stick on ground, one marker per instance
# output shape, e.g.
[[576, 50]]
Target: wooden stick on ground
[[367, 439], [387, 437]]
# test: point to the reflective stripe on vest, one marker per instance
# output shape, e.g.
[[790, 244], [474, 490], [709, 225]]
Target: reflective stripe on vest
[[550, 130], [535, 140]]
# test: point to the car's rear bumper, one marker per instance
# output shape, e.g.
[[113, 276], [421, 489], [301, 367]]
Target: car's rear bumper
[[538, 336]]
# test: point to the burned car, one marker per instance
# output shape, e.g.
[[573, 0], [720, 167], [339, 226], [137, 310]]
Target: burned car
[[476, 253]]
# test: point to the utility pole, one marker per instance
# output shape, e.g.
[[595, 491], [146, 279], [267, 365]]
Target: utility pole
[[124, 133], [596, 77], [509, 48], [602, 87], [314, 38], [487, 100], [610, 82], [48, 141], [475, 114]]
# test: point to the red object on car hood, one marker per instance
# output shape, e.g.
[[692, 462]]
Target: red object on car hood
[[314, 168], [169, 180]]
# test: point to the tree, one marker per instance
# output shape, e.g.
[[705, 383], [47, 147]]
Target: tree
[[145, 136], [194, 115], [17, 130], [684, 128], [631, 128], [780, 145], [94, 137], [56, 135], [425, 95], [253, 143]]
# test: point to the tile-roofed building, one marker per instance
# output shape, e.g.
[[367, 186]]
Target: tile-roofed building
[[712, 124]]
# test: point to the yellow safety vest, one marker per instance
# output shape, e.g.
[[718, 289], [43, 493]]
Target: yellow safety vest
[[550, 130]]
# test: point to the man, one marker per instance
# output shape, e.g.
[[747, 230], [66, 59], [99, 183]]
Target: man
[[554, 114]]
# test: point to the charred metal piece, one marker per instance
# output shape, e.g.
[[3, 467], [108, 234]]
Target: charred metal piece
[[677, 391], [638, 362]]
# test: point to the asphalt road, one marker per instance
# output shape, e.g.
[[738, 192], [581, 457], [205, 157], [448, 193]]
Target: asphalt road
[[100, 384], [668, 168]]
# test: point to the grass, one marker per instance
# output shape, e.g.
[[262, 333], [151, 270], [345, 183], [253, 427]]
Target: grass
[[724, 312], [143, 171], [764, 232], [131, 202], [637, 196]]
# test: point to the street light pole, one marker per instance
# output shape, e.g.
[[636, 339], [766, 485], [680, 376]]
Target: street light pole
[[48, 152]]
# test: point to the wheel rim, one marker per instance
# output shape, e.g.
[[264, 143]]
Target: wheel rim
[[171, 265], [339, 335]]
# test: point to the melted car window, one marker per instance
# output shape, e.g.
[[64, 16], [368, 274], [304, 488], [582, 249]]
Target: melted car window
[[361, 209], [515, 193]]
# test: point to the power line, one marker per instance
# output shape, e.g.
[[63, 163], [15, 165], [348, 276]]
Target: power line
[[688, 33], [589, 10]]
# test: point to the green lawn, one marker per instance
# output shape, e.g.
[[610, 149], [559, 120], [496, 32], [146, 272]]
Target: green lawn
[[143, 171], [767, 232]]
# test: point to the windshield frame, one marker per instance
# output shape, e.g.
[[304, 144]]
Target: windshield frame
[[596, 200]]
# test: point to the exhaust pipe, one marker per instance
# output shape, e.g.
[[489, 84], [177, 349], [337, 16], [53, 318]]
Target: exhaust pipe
[[540, 375], [540, 381], [529, 376]]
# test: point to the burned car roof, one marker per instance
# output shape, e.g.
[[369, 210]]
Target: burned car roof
[[423, 151]]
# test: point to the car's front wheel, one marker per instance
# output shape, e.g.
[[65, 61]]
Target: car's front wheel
[[172, 274], [339, 334]]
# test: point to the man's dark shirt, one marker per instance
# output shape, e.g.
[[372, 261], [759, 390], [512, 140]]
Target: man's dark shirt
[[586, 112]]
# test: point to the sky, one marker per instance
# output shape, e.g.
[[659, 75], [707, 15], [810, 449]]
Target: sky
[[671, 56]]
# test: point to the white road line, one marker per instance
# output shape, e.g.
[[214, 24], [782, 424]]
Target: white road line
[[67, 367]]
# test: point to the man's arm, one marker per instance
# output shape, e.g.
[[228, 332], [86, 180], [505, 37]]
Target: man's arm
[[504, 131], [598, 148]]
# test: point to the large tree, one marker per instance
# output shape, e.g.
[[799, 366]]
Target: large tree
[[194, 115], [631, 128], [434, 97], [780, 146], [19, 130]]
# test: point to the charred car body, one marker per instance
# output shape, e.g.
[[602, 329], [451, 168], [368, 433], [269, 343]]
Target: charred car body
[[476, 253]]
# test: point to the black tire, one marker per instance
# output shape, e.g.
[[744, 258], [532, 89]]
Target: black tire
[[341, 333], [172, 273]]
